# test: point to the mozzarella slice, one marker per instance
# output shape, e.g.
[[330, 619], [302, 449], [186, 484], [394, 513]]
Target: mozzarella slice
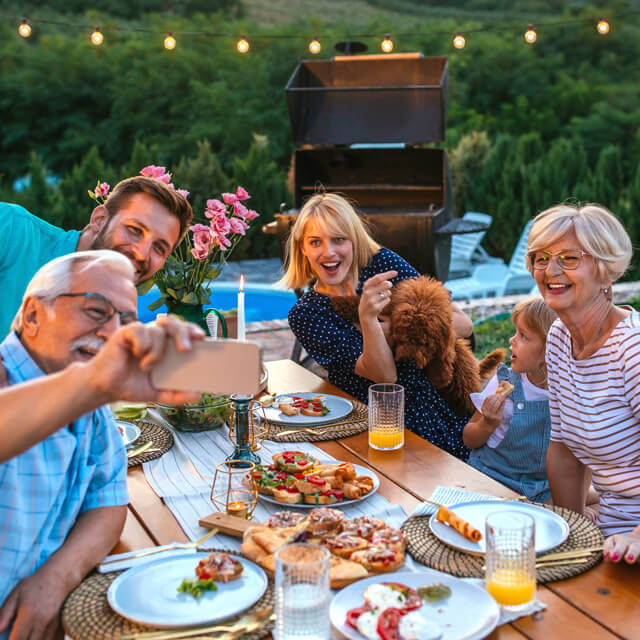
[[381, 596], [413, 626], [368, 624]]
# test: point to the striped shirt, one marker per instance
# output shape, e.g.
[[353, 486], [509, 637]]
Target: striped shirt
[[595, 412], [43, 490]]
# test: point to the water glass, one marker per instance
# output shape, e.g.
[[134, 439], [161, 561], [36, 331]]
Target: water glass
[[511, 559], [386, 416], [302, 592]]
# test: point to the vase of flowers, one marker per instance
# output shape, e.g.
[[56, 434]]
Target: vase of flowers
[[185, 280]]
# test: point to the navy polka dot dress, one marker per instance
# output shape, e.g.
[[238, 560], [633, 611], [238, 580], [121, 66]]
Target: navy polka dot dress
[[336, 345]]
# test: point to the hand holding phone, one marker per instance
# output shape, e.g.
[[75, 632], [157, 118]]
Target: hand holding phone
[[211, 366]]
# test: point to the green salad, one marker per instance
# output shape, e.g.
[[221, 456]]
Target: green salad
[[211, 412]]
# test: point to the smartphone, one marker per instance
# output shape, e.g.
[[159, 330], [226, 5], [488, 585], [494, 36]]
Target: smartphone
[[212, 366]]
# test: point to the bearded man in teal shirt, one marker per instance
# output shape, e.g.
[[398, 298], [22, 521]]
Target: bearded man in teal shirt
[[143, 218]]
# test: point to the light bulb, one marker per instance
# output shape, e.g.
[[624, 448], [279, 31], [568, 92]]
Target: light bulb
[[530, 35], [24, 29], [170, 42], [603, 27], [97, 37], [243, 45], [459, 41], [315, 47], [387, 44]]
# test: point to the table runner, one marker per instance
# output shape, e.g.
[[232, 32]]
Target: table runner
[[184, 475]]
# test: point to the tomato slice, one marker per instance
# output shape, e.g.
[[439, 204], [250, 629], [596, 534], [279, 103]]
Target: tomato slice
[[315, 480], [388, 623], [354, 614]]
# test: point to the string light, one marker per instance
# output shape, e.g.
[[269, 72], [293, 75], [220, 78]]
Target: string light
[[24, 29], [315, 47], [459, 41], [387, 44], [603, 27], [96, 37], [530, 35], [243, 44], [170, 42]]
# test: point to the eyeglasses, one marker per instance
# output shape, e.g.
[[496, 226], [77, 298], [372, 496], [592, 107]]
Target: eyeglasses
[[99, 309], [568, 259]]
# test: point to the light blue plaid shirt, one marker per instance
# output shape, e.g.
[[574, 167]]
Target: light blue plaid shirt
[[42, 491]]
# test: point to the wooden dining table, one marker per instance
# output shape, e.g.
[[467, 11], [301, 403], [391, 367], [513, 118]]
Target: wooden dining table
[[600, 604]]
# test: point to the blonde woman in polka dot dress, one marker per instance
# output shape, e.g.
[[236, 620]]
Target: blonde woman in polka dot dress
[[330, 247]]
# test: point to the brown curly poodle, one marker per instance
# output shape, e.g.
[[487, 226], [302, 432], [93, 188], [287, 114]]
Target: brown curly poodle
[[421, 329]]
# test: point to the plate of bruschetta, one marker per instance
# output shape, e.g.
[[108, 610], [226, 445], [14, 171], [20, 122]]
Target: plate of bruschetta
[[305, 409], [297, 479]]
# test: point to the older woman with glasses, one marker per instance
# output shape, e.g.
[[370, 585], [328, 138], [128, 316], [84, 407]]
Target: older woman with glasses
[[575, 253]]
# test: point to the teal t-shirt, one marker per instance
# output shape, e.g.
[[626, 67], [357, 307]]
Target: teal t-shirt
[[26, 243]]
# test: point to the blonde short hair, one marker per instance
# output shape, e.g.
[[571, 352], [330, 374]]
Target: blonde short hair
[[599, 233], [55, 277], [536, 314], [338, 218]]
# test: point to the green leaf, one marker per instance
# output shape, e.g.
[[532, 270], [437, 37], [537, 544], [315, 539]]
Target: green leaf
[[173, 293], [157, 304], [190, 298], [212, 273], [144, 287]]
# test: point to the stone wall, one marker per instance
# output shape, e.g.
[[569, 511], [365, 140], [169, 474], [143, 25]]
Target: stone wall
[[482, 308]]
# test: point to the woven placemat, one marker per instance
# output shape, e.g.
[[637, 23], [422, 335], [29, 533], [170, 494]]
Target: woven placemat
[[87, 614], [356, 422], [430, 551], [161, 437]]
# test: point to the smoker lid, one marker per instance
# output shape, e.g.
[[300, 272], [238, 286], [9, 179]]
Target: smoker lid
[[368, 99]]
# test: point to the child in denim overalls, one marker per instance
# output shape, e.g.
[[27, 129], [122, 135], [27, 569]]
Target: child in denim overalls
[[509, 436]]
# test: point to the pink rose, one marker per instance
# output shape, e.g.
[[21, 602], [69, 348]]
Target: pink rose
[[238, 226], [199, 253], [220, 223], [214, 206], [147, 172], [229, 198], [240, 210], [251, 215], [104, 189], [202, 237], [242, 194], [222, 241], [183, 192]]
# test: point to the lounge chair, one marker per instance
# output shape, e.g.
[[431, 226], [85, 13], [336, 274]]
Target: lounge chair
[[466, 250], [494, 279]]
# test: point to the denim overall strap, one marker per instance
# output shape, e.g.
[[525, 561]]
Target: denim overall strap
[[519, 460]]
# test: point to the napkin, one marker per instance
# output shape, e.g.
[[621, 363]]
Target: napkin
[[449, 496]]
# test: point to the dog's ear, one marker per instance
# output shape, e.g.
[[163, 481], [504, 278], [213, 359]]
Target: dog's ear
[[346, 307], [490, 362]]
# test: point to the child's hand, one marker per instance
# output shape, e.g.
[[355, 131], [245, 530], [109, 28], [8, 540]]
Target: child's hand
[[492, 409]]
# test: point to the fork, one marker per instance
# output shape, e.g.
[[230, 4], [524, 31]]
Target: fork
[[166, 547]]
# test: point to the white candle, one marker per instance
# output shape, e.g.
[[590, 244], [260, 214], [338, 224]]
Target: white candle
[[242, 334]]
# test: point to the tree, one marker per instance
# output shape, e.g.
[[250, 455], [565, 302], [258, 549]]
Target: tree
[[465, 161]]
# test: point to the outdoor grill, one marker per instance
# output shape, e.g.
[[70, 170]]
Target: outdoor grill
[[362, 122]]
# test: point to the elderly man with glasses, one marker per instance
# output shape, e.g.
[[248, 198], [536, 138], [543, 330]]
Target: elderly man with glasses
[[75, 345]]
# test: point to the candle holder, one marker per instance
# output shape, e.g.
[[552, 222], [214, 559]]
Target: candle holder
[[242, 430], [234, 489]]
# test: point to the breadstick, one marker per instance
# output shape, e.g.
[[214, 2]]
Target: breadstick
[[460, 525]]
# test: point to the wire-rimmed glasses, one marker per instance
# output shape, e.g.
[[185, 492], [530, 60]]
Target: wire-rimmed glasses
[[568, 259]]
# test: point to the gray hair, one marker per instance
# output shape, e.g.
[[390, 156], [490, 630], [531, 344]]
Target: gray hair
[[598, 231], [54, 278]]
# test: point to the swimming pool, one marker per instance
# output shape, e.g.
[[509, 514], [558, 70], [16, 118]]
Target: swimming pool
[[261, 302]]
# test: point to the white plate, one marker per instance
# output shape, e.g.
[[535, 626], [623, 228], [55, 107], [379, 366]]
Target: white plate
[[147, 594], [338, 409], [360, 470], [470, 613], [129, 432], [551, 529]]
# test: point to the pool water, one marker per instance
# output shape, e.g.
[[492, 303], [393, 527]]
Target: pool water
[[261, 302]]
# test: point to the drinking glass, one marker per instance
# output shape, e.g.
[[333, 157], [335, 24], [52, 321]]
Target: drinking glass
[[386, 416], [302, 592], [511, 559], [234, 489]]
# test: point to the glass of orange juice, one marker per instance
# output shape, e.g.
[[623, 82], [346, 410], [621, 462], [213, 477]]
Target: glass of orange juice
[[511, 559], [386, 416]]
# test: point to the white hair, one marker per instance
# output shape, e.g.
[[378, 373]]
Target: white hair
[[54, 278]]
